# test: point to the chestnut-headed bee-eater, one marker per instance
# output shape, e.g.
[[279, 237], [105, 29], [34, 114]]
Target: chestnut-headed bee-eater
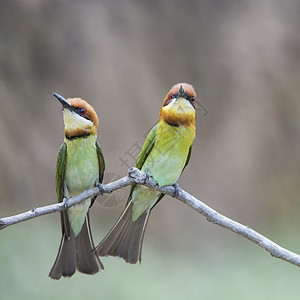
[[166, 152], [80, 166]]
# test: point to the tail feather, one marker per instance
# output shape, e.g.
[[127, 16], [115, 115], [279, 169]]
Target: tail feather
[[125, 238], [65, 262], [87, 261], [76, 253]]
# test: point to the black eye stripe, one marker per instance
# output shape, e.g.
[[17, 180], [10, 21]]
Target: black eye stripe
[[167, 102], [191, 99], [81, 111]]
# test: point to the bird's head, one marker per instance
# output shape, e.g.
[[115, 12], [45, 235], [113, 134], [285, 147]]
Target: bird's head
[[80, 117], [179, 106]]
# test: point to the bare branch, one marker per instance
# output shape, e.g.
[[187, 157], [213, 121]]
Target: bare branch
[[49, 209], [136, 176]]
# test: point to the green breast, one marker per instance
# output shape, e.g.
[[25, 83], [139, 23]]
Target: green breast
[[164, 163], [81, 173], [168, 156], [82, 167]]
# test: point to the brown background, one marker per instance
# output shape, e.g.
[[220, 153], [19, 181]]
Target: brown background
[[123, 56]]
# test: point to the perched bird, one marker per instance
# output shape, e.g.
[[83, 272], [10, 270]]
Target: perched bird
[[166, 152], [80, 166]]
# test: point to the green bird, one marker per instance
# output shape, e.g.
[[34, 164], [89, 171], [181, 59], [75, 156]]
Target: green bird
[[80, 166], [166, 152]]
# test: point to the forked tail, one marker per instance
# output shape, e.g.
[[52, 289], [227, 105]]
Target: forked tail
[[76, 253]]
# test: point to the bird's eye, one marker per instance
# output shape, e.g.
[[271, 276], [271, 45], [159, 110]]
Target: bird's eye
[[172, 96], [192, 99], [82, 111]]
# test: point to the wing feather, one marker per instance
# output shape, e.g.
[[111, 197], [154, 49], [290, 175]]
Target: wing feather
[[59, 179], [147, 147]]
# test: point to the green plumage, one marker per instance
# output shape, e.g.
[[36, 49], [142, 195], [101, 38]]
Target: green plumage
[[165, 162], [80, 166], [164, 155]]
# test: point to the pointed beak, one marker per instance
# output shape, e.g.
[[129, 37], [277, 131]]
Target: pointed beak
[[181, 93], [63, 101]]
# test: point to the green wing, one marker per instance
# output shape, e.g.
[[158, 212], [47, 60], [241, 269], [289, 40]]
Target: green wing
[[60, 171], [147, 147], [101, 167], [59, 179], [188, 157], [101, 162]]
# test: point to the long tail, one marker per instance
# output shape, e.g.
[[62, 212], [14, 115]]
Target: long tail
[[76, 253], [125, 238]]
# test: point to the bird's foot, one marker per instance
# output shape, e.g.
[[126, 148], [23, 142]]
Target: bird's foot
[[147, 178], [176, 190], [100, 187], [65, 202]]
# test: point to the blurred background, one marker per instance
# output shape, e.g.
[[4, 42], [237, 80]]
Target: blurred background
[[243, 58]]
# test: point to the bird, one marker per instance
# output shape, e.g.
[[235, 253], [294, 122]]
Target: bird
[[164, 155], [80, 165]]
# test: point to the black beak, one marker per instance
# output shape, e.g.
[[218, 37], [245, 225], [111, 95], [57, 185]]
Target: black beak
[[63, 101], [181, 93]]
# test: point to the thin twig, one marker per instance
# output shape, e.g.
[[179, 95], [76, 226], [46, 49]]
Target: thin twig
[[136, 176]]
